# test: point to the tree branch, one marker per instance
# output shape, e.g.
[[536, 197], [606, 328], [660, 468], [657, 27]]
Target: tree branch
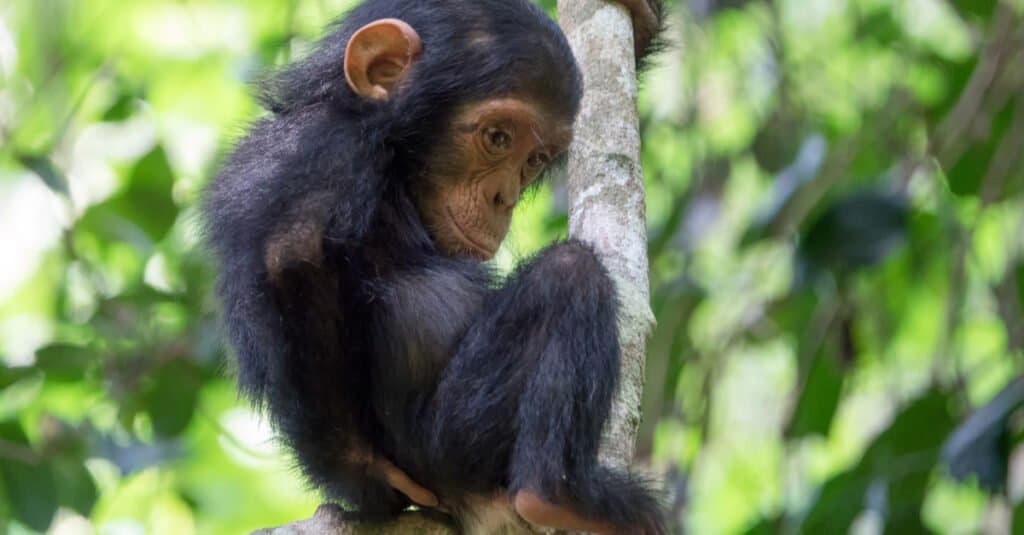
[[331, 520], [606, 192]]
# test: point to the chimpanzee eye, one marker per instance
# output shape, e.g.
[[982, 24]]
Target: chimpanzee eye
[[538, 160], [498, 140]]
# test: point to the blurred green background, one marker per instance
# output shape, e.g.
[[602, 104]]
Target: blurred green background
[[836, 215]]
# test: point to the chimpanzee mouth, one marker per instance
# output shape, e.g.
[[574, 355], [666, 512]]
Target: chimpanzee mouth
[[485, 253]]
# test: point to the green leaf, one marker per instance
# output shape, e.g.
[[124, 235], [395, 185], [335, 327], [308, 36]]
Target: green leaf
[[1018, 519], [147, 202], [64, 362], [899, 462], [128, 407], [778, 142], [905, 498], [29, 484], [103, 223], [918, 430], [905, 456], [76, 489], [881, 27], [981, 9], [819, 398], [1020, 285], [123, 108], [967, 174], [9, 375], [840, 501], [171, 399]]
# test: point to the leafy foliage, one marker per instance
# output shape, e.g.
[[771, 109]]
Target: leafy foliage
[[836, 199]]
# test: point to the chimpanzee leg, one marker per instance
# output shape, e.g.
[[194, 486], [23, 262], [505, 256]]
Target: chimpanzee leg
[[566, 400], [530, 387]]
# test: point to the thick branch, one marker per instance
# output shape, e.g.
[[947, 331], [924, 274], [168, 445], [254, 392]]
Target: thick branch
[[606, 191], [331, 520]]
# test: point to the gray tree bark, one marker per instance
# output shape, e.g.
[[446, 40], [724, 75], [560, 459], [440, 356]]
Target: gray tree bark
[[606, 209], [606, 192], [330, 520]]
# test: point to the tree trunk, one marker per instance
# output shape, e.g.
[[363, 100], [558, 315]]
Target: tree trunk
[[606, 209], [606, 192]]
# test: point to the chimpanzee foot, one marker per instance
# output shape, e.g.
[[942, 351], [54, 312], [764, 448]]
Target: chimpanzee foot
[[536, 510]]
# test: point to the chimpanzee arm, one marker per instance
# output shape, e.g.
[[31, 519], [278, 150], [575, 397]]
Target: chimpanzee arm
[[320, 398], [267, 217], [292, 173]]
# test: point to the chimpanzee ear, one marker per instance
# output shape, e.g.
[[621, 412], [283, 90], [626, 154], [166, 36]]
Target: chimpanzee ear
[[379, 56]]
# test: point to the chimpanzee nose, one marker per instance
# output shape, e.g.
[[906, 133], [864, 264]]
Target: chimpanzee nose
[[502, 200], [503, 193]]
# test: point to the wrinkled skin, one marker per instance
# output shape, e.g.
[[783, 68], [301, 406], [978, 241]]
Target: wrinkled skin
[[497, 150]]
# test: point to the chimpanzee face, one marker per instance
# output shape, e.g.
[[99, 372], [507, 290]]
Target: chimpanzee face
[[490, 153], [494, 150]]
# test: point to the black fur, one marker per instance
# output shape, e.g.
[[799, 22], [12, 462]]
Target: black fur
[[469, 383], [650, 41]]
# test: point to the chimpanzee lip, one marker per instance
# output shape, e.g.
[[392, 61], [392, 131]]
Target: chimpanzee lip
[[486, 252]]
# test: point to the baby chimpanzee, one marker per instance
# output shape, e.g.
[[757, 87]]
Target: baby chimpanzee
[[352, 225]]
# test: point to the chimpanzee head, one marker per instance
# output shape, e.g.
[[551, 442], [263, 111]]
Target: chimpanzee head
[[472, 109]]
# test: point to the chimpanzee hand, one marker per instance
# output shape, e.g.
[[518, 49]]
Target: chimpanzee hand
[[401, 482], [647, 21]]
